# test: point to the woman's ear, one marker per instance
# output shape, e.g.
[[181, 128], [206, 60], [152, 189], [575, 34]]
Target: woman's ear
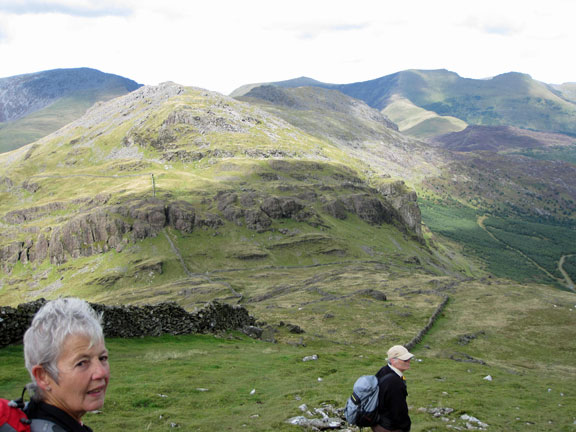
[[43, 378]]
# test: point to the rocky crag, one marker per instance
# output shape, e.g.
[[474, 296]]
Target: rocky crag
[[101, 227]]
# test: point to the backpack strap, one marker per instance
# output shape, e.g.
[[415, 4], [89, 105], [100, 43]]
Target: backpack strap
[[41, 425], [354, 398]]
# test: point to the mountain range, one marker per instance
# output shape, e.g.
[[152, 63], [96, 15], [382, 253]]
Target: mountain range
[[427, 103], [341, 216], [507, 164]]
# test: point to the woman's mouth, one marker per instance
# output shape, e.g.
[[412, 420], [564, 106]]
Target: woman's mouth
[[97, 391]]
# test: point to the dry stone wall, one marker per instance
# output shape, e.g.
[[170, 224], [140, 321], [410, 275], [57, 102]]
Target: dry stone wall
[[135, 321]]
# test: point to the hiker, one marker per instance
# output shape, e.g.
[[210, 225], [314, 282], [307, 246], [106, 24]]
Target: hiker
[[392, 406], [66, 357]]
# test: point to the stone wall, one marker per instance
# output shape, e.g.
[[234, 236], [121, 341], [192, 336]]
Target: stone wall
[[136, 321], [418, 338]]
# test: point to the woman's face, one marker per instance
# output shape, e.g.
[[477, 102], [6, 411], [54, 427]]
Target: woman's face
[[83, 375]]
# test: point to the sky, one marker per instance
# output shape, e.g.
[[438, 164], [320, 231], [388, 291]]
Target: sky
[[221, 45]]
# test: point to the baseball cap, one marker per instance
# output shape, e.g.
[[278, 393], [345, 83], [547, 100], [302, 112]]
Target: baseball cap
[[399, 352]]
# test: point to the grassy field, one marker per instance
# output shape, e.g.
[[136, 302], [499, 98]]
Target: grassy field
[[204, 383]]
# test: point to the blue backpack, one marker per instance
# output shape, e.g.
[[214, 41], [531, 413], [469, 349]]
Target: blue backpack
[[362, 407]]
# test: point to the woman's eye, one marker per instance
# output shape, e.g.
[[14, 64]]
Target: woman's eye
[[104, 359]]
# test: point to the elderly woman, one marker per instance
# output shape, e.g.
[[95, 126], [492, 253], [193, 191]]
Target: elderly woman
[[66, 357]]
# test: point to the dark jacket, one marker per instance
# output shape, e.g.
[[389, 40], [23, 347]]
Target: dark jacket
[[392, 405], [48, 418]]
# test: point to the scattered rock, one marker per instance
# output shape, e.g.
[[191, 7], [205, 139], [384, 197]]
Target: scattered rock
[[372, 293], [462, 357], [329, 418], [310, 358], [465, 339]]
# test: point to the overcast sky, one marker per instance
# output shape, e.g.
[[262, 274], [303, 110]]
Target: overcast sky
[[222, 44]]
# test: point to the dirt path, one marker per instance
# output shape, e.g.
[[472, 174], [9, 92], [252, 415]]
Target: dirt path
[[569, 281], [566, 281]]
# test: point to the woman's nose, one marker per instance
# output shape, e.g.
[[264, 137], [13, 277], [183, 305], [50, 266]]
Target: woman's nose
[[101, 370]]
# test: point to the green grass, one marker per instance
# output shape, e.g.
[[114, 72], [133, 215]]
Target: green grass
[[203, 383], [418, 122]]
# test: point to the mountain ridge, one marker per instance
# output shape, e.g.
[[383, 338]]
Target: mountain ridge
[[512, 98], [33, 105]]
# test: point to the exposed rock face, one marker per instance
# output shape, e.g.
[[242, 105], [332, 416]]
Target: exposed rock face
[[182, 215], [10, 254], [100, 228], [281, 207], [369, 208], [405, 202], [336, 208]]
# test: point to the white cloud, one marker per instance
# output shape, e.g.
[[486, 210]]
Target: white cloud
[[222, 44], [83, 8]]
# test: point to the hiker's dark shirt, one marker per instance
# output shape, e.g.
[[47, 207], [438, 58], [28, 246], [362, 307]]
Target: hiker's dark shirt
[[392, 405], [63, 421]]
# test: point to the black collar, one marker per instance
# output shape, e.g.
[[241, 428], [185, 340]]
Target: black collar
[[44, 411]]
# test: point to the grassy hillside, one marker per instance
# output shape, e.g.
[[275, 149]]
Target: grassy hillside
[[490, 179], [488, 329], [353, 127], [418, 122], [225, 159], [40, 123]]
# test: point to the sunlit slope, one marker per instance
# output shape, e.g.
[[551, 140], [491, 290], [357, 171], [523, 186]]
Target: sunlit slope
[[418, 122], [169, 183]]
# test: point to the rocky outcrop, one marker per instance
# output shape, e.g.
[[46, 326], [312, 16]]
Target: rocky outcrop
[[99, 228], [10, 254], [405, 202], [136, 321], [369, 208]]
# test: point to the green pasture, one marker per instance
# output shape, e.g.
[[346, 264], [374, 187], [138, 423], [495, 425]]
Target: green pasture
[[231, 382]]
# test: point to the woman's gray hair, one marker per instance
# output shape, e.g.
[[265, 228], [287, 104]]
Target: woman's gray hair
[[52, 324]]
